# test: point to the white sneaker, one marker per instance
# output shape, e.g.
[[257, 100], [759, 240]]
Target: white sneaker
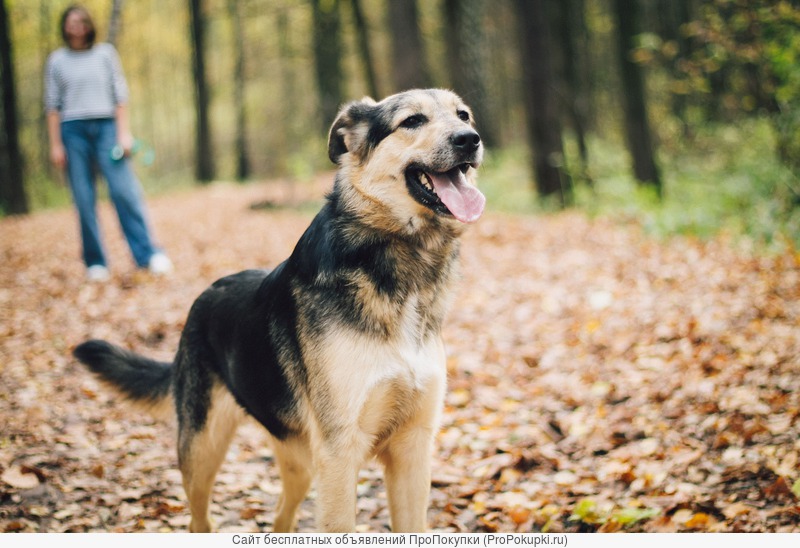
[[97, 273], [160, 264]]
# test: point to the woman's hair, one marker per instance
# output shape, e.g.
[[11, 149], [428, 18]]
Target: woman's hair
[[87, 19]]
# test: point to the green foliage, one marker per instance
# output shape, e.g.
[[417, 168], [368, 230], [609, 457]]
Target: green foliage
[[742, 53], [505, 179], [736, 59], [726, 178]]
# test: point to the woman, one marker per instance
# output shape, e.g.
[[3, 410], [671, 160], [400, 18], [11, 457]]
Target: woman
[[87, 117]]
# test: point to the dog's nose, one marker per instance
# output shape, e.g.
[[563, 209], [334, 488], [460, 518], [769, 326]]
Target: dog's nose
[[466, 140]]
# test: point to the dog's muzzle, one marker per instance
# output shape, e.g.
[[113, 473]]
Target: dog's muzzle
[[447, 191]]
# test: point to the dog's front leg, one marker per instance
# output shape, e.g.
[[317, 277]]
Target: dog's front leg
[[407, 462], [336, 490]]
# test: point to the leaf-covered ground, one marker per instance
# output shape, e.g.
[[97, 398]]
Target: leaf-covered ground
[[599, 380]]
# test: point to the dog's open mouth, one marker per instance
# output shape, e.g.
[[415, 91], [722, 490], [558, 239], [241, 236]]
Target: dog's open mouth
[[446, 193]]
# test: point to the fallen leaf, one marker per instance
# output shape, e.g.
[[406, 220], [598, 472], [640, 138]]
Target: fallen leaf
[[629, 516], [700, 520], [20, 476], [250, 513], [736, 509], [519, 515]]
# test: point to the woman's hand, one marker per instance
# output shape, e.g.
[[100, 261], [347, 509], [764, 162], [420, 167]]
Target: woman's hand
[[125, 140], [58, 156]]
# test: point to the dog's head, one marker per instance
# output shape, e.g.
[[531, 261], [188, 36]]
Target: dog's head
[[413, 155]]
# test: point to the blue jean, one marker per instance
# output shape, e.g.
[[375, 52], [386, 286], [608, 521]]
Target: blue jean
[[88, 144]]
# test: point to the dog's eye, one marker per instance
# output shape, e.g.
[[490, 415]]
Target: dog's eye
[[463, 115], [413, 121]]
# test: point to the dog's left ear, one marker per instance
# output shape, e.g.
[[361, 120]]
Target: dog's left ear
[[349, 131]]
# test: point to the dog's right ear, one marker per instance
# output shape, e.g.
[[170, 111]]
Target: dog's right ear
[[350, 130]]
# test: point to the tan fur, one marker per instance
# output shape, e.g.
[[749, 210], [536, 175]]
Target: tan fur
[[200, 461]]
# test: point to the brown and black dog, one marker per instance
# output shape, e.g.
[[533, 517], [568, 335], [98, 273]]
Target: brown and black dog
[[337, 351]]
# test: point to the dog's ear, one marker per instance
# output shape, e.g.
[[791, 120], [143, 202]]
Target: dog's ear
[[349, 131]]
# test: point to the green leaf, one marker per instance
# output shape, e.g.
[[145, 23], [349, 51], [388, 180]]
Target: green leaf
[[586, 511], [629, 516]]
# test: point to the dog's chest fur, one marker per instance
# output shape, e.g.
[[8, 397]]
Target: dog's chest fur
[[373, 317], [378, 383]]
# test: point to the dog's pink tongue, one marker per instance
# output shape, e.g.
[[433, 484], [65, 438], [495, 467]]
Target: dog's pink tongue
[[463, 200]]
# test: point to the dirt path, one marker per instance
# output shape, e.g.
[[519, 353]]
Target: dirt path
[[598, 379]]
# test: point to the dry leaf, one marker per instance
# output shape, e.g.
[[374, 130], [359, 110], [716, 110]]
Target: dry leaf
[[20, 477], [585, 360]]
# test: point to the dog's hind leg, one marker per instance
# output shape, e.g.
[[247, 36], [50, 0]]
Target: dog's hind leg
[[201, 452], [294, 461]]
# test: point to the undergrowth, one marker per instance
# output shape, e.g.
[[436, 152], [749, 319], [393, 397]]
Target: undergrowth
[[722, 180]]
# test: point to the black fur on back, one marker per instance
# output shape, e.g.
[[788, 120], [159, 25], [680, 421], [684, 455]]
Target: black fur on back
[[139, 378]]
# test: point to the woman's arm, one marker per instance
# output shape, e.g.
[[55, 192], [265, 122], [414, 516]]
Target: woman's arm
[[58, 156], [124, 135]]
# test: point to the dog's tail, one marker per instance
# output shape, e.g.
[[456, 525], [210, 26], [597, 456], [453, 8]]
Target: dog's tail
[[141, 380]]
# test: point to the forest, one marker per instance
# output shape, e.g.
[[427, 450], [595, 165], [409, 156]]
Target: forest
[[585, 100], [623, 348]]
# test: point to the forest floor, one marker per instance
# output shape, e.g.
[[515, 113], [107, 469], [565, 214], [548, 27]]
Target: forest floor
[[598, 379]]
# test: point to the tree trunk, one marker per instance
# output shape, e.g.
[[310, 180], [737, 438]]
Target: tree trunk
[[365, 49], [115, 22], [541, 105], [327, 59], [466, 59], [672, 16], [409, 66], [242, 158], [290, 94], [204, 159], [637, 127], [13, 199], [46, 36], [572, 30]]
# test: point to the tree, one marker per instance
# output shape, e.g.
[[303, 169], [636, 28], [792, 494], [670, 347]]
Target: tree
[[409, 66], [364, 48], [466, 54], [327, 58], [204, 159], [293, 126], [115, 21], [637, 126], [12, 190], [573, 39], [242, 159], [45, 40], [541, 105], [674, 16]]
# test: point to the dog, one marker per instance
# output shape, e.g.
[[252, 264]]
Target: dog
[[337, 352]]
